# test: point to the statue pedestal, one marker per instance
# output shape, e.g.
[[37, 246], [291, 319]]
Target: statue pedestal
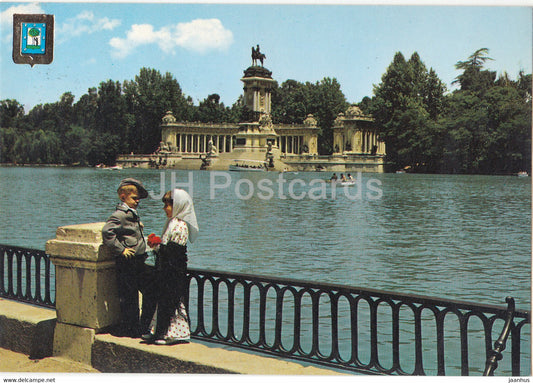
[[86, 292]]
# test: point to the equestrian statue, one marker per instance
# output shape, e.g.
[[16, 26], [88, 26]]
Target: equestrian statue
[[257, 55]]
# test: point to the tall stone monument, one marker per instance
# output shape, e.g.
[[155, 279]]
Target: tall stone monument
[[258, 84]]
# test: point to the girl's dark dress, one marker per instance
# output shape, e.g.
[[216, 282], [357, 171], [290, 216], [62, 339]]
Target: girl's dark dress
[[170, 321]]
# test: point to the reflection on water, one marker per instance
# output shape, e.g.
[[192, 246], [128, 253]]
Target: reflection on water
[[453, 237]]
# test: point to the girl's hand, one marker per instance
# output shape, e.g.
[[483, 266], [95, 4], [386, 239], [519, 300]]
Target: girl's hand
[[153, 240]]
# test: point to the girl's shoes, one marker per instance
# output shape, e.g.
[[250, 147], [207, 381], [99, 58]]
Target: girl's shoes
[[168, 342], [152, 338]]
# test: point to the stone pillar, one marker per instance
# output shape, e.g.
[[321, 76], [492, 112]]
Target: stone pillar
[[313, 144], [338, 139], [86, 292]]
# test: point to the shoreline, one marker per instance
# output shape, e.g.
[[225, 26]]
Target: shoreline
[[11, 165]]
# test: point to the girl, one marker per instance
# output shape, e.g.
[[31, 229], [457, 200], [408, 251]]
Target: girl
[[170, 324]]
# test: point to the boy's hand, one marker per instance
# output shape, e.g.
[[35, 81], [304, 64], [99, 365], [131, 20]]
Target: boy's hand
[[128, 252]]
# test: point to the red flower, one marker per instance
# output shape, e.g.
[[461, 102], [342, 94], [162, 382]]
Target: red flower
[[153, 240]]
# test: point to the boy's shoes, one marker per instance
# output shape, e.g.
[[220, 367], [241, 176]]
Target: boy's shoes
[[122, 332], [149, 338]]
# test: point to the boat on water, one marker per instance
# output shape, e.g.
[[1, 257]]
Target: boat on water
[[341, 182], [248, 166], [102, 166], [522, 174]]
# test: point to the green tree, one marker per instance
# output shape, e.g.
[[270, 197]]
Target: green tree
[[45, 147], [488, 121], [148, 98], [11, 111], [433, 90], [62, 112], [56, 116], [326, 102], [237, 112], [85, 110], [465, 122], [212, 110], [524, 86], [489, 133], [473, 77], [290, 102], [509, 125], [8, 137], [77, 143], [103, 148], [111, 108], [406, 106], [293, 101]]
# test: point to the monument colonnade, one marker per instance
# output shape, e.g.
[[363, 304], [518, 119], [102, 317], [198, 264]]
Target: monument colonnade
[[198, 143]]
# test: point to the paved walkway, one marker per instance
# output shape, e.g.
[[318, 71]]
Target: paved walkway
[[11, 361]]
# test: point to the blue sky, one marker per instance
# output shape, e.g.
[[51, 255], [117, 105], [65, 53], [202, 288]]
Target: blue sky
[[206, 46]]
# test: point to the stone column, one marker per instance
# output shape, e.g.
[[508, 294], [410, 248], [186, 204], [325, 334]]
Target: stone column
[[86, 292]]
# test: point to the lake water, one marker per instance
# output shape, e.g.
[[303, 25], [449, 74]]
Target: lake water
[[448, 236], [456, 237]]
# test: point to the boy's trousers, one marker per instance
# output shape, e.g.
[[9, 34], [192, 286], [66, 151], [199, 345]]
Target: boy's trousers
[[133, 275]]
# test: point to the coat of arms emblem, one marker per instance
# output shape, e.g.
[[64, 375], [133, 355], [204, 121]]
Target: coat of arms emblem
[[34, 38]]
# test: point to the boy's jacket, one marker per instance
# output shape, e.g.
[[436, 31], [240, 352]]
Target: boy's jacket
[[123, 229]]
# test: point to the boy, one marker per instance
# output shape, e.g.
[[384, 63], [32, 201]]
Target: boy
[[123, 234]]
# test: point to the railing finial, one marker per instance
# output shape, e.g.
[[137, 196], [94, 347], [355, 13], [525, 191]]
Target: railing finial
[[496, 354]]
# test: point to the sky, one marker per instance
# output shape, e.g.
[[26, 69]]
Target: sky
[[207, 46]]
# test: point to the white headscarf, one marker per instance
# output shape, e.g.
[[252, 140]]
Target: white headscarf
[[183, 208]]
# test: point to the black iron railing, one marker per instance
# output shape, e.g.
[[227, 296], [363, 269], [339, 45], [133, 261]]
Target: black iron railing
[[362, 330], [26, 276], [343, 327]]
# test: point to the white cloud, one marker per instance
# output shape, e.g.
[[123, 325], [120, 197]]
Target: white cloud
[[200, 35], [6, 18], [83, 24]]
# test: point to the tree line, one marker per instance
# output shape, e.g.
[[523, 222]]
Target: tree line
[[484, 126]]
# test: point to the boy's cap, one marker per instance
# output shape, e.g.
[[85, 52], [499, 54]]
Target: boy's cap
[[132, 181]]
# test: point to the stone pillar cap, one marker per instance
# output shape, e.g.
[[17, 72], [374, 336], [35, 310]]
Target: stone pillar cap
[[82, 233]]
